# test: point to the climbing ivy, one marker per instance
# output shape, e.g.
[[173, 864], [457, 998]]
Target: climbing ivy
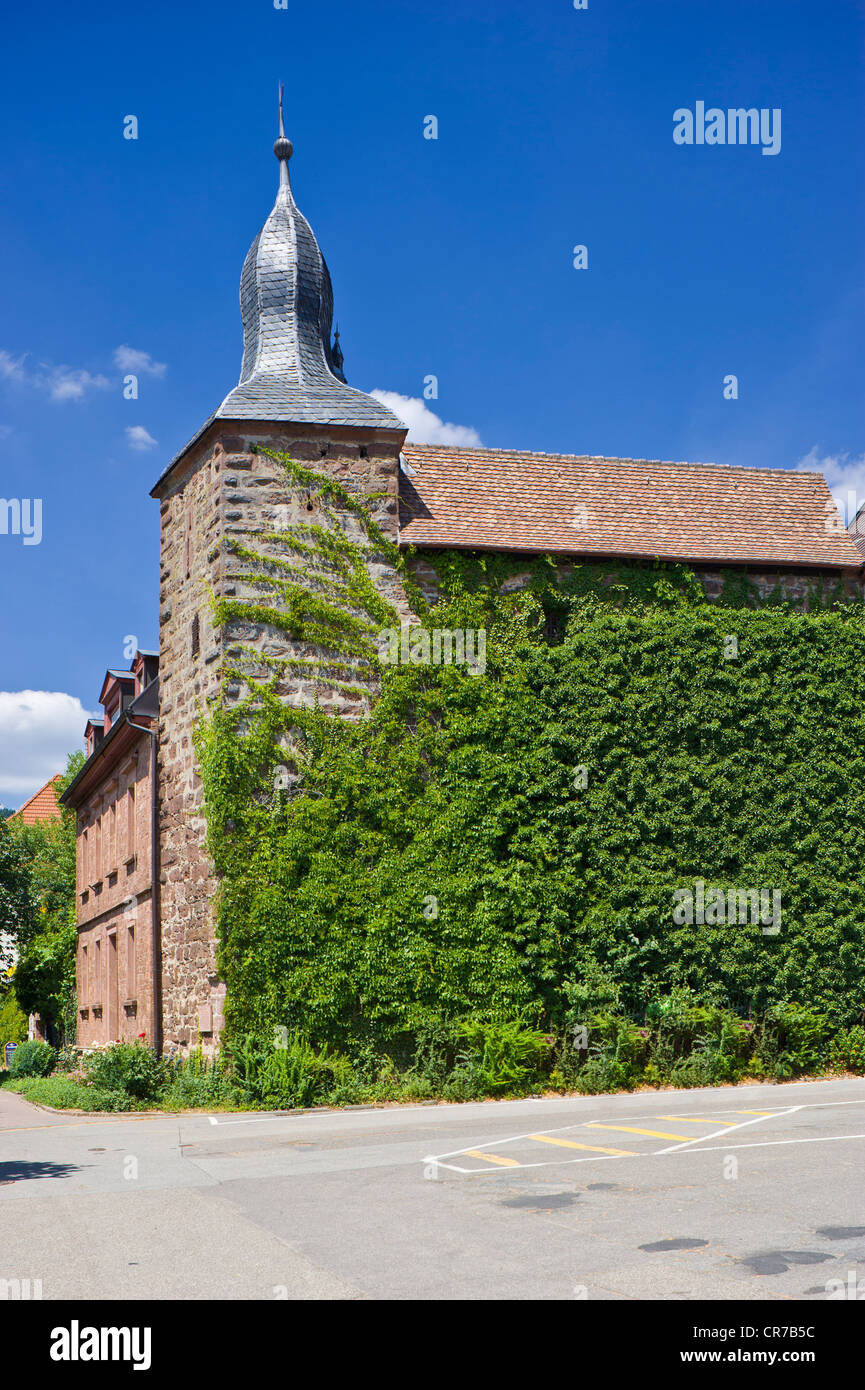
[[313, 584], [501, 845]]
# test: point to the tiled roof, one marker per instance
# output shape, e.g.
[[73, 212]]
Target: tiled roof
[[498, 499], [42, 805]]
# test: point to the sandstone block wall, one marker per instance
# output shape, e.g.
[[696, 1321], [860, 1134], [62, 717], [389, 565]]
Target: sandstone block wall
[[223, 490], [795, 585]]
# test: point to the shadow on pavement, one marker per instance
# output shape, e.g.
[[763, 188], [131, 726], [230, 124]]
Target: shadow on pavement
[[23, 1171]]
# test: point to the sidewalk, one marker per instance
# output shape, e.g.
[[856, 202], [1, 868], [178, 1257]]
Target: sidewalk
[[18, 1113]]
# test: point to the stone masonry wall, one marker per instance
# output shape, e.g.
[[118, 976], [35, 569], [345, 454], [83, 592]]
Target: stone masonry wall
[[795, 585], [223, 490]]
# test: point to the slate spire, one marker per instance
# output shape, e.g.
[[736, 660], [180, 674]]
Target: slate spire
[[290, 370]]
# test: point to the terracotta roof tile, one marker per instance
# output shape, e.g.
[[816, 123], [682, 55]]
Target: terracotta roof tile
[[42, 805], [498, 499]]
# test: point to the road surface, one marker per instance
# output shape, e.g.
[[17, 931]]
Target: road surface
[[751, 1192]]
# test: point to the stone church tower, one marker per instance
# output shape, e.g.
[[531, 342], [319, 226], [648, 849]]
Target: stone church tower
[[292, 396]]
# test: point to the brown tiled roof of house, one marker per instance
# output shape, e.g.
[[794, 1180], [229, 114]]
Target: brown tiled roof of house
[[499, 499], [42, 805]]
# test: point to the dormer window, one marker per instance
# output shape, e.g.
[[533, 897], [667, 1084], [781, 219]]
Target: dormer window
[[93, 735]]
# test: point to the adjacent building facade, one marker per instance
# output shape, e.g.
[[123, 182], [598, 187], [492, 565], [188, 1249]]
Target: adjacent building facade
[[117, 862], [147, 944]]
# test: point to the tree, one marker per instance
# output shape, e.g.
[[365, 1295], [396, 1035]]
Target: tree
[[45, 934], [15, 903]]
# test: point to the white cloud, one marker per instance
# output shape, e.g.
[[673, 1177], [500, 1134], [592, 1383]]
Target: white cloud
[[845, 476], [139, 438], [425, 427], [61, 383], [11, 368], [69, 384], [37, 730], [132, 360]]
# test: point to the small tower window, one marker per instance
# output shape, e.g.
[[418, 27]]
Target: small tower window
[[364, 451], [324, 450], [196, 640], [555, 620]]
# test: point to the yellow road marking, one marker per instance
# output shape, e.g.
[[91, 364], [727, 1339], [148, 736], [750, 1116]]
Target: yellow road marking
[[569, 1144], [631, 1129], [492, 1158], [687, 1120]]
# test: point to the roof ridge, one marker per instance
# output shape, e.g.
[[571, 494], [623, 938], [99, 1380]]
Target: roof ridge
[[614, 458]]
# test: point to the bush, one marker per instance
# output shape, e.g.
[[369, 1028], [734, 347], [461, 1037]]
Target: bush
[[847, 1050], [295, 1076], [792, 1040], [128, 1068], [197, 1080], [504, 1056], [33, 1059], [61, 1093]]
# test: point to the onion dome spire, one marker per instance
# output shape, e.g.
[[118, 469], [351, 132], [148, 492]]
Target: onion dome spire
[[290, 369]]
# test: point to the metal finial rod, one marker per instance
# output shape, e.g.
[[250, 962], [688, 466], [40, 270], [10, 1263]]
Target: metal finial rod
[[282, 147]]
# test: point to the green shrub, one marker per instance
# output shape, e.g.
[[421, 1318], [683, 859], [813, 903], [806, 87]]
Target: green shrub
[[199, 1081], [463, 1082], [33, 1059], [247, 1055], [505, 1056], [437, 1045], [61, 1093], [847, 1050], [600, 1075], [792, 1040], [128, 1068], [294, 1076]]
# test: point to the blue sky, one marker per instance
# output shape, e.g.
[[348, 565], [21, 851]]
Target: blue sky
[[451, 257]]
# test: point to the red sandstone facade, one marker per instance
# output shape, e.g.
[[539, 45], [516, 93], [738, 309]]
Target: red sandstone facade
[[113, 800]]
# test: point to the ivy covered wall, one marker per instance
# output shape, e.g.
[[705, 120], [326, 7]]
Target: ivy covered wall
[[507, 844]]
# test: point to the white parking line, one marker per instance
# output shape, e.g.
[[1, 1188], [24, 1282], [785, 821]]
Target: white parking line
[[697, 1144], [758, 1120], [648, 1153]]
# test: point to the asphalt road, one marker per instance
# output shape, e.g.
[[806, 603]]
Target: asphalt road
[[751, 1192]]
